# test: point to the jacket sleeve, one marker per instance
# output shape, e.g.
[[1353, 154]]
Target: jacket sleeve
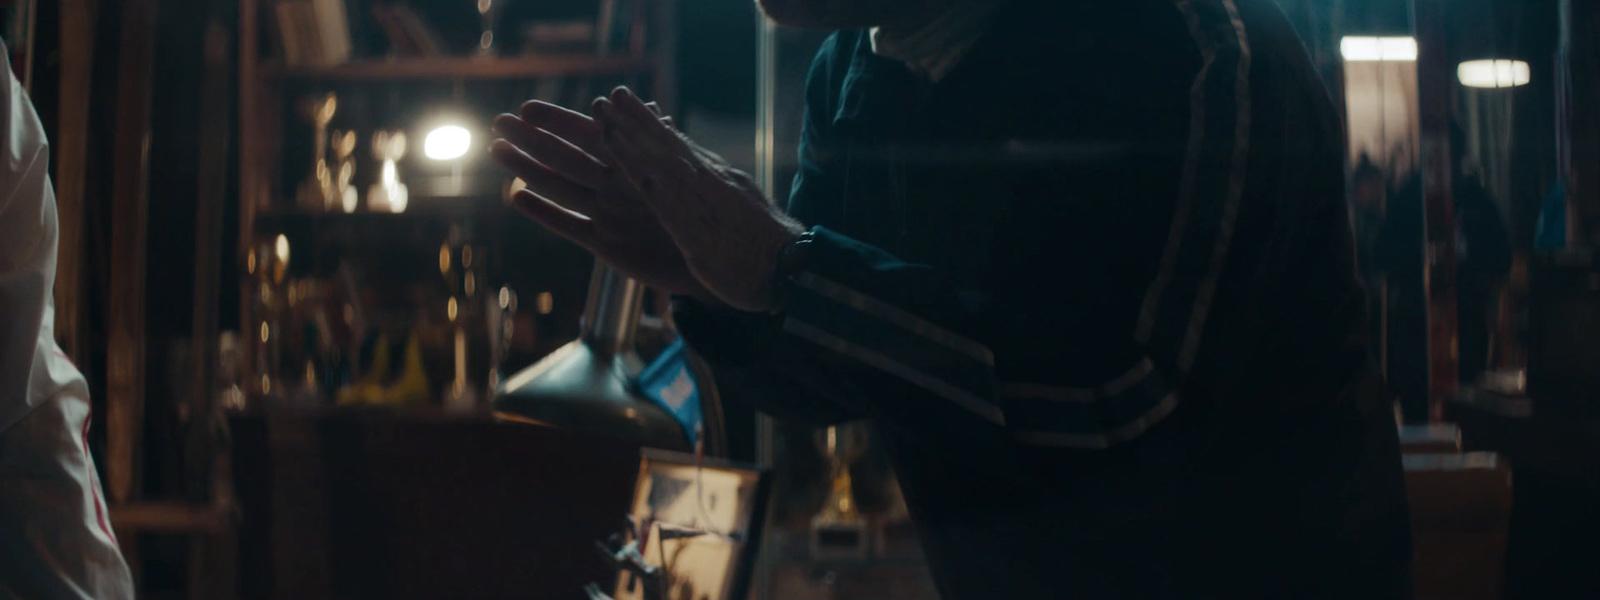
[[789, 365], [865, 334]]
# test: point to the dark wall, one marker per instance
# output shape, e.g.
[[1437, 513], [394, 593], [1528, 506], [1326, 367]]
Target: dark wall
[[717, 56]]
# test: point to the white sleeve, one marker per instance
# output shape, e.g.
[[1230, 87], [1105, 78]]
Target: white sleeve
[[28, 233]]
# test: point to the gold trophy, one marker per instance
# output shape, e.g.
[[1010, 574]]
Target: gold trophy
[[344, 148], [388, 194], [316, 193], [839, 532]]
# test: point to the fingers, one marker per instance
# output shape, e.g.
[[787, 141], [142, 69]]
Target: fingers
[[520, 133], [511, 159], [543, 181], [560, 155], [631, 107], [624, 156], [649, 152], [641, 125], [575, 127], [570, 125], [656, 109], [565, 223], [665, 119]]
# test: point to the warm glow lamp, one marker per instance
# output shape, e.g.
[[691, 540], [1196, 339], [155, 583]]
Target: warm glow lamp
[[447, 142]]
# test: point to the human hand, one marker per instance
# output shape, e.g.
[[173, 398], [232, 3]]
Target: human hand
[[573, 191], [727, 232]]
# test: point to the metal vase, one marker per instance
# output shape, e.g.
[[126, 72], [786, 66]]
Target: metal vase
[[586, 384]]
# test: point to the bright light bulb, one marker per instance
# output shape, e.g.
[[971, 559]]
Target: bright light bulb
[[1371, 49], [282, 248], [1493, 73], [447, 143]]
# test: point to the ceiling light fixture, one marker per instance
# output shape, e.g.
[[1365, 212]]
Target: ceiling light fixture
[[1498, 73], [1378, 49]]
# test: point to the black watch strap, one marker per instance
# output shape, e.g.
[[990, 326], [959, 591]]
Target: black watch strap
[[791, 261]]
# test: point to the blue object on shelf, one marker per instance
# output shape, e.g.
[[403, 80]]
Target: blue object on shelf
[[668, 382]]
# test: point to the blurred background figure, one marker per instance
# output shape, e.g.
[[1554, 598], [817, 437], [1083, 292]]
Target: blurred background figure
[[1483, 262], [1368, 192]]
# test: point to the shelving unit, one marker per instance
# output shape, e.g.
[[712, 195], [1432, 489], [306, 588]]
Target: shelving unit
[[464, 68], [297, 440], [266, 86], [269, 220]]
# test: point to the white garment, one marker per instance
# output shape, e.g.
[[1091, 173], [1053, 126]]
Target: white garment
[[55, 535]]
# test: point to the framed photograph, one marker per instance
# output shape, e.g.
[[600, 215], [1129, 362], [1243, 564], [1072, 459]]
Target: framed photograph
[[700, 524]]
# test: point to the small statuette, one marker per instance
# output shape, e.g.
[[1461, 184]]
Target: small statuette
[[839, 532], [343, 144], [317, 192], [388, 194]]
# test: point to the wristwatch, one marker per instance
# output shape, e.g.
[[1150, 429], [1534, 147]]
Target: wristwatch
[[791, 260]]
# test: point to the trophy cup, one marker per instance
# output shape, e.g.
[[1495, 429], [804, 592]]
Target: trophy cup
[[502, 321], [488, 13], [839, 532], [344, 148], [388, 194], [316, 193]]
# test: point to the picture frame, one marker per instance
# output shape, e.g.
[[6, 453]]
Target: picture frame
[[699, 520]]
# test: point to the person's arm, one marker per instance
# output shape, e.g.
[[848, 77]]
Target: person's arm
[[27, 246], [730, 339], [864, 334]]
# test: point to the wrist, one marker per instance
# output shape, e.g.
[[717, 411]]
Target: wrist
[[789, 261], [706, 298]]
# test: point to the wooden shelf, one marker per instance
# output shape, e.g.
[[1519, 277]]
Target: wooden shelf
[[173, 517], [462, 68], [429, 413], [469, 209]]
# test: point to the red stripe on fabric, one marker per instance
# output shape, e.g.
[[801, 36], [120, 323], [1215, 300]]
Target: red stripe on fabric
[[63, 356], [94, 481]]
